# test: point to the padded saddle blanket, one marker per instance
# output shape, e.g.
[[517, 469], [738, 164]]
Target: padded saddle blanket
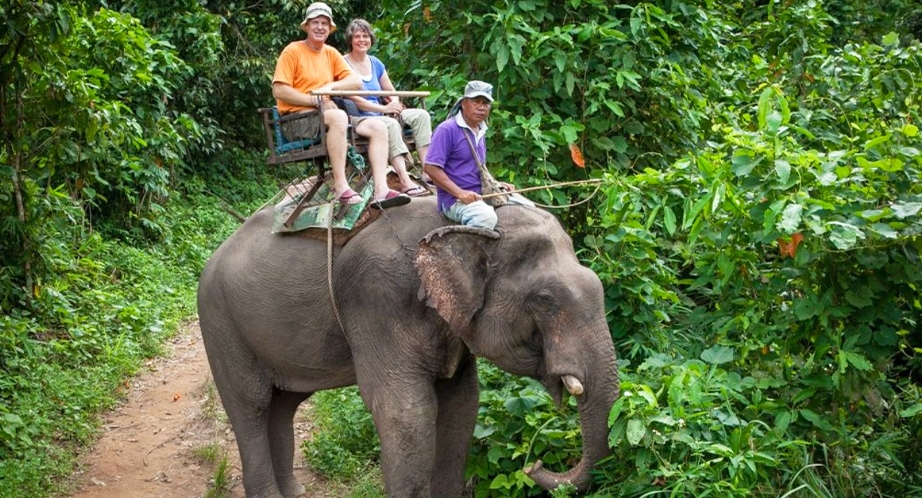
[[321, 213]]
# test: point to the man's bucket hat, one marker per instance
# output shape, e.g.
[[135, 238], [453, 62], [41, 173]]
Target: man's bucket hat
[[318, 9]]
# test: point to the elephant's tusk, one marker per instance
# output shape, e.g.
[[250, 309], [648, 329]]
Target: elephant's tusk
[[573, 385]]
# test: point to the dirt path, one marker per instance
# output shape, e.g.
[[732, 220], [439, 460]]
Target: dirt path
[[166, 438]]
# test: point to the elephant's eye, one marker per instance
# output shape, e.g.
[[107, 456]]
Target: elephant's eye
[[543, 301]]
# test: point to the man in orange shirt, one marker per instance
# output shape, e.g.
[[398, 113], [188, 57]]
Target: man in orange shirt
[[309, 65]]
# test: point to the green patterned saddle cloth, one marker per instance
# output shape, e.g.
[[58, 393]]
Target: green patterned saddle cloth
[[322, 210]]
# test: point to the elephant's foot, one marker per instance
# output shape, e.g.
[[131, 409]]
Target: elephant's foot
[[291, 488]]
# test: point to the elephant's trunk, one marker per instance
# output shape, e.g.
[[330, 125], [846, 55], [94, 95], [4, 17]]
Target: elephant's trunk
[[594, 407]]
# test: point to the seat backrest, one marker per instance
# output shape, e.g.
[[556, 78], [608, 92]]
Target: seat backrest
[[280, 139]]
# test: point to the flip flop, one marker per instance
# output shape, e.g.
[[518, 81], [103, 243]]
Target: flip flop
[[392, 199], [349, 197], [415, 191]]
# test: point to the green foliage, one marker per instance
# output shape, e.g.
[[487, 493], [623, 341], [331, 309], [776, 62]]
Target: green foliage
[[105, 307], [517, 424], [345, 444], [691, 431], [788, 241]]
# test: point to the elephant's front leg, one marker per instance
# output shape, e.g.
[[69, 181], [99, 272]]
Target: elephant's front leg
[[458, 399], [405, 418]]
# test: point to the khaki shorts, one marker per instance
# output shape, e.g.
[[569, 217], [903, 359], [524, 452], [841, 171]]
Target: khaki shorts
[[307, 126]]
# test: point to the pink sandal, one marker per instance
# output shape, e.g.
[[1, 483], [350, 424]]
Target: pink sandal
[[349, 197], [392, 199]]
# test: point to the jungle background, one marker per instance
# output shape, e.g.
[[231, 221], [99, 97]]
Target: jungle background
[[756, 229]]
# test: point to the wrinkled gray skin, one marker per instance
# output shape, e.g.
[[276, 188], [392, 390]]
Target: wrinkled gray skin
[[415, 311]]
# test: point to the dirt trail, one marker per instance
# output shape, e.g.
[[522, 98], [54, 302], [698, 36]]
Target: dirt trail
[[157, 442]]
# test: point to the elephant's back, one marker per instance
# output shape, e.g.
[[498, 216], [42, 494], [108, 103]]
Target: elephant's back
[[253, 259], [254, 255]]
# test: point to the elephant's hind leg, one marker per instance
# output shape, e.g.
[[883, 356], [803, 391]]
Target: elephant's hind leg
[[282, 411], [246, 397]]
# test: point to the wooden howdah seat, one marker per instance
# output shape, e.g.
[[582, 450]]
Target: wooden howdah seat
[[314, 150], [283, 151]]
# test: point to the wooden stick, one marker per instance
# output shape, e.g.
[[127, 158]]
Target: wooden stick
[[541, 187], [379, 93]]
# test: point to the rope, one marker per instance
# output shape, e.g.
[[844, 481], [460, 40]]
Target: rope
[[330, 269], [359, 162], [596, 181]]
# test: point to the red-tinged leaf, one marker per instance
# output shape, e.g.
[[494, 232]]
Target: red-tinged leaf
[[784, 248], [577, 156], [796, 239], [789, 248]]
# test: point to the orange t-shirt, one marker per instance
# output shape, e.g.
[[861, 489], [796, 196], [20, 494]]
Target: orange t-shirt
[[306, 70]]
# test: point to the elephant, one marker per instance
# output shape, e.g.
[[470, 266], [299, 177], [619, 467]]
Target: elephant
[[403, 310]]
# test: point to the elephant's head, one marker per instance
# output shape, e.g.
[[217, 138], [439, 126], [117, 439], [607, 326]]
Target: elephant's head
[[520, 298]]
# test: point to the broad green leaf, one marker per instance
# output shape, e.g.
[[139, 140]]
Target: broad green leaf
[[873, 214], [843, 235], [616, 411], [717, 355], [859, 296], [570, 134], [502, 58], [774, 121], [805, 309], [858, 361], [827, 178], [785, 108], [527, 6], [765, 102], [692, 215], [912, 411], [783, 170], [771, 215], [615, 108], [870, 144], [890, 164], [906, 209], [718, 190], [818, 421], [790, 218], [515, 48], [521, 405], [743, 163], [481, 431], [910, 130], [669, 220], [891, 39], [885, 230], [635, 431], [561, 61], [783, 420], [500, 482]]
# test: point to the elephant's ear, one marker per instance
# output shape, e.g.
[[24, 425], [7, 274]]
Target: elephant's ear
[[453, 264]]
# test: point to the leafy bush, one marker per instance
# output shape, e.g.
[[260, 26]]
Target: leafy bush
[[108, 307], [345, 444], [517, 424]]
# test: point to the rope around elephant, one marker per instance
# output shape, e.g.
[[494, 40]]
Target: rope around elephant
[[596, 181]]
